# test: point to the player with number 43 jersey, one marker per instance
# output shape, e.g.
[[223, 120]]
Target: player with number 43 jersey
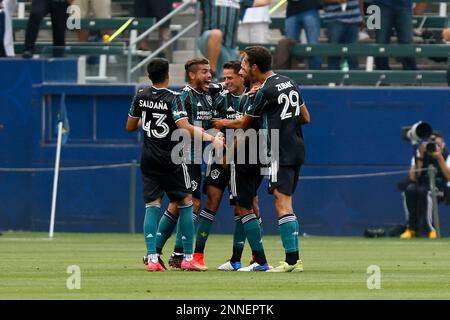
[[155, 109]]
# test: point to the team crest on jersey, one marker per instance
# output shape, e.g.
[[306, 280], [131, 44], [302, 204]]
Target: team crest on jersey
[[208, 98], [194, 185], [215, 174]]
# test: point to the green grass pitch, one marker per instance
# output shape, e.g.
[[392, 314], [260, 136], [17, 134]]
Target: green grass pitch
[[32, 267]]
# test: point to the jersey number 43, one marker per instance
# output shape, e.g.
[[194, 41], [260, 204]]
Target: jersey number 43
[[163, 127]]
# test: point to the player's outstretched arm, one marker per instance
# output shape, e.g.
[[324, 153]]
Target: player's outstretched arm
[[242, 123], [195, 131]]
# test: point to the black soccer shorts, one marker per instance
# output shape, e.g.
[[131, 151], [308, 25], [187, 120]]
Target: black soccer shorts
[[176, 184], [217, 175], [244, 183], [284, 179], [195, 173]]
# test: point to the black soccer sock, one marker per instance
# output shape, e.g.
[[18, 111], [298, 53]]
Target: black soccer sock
[[292, 257]]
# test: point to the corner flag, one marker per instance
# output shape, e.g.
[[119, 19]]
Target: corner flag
[[62, 128], [62, 117]]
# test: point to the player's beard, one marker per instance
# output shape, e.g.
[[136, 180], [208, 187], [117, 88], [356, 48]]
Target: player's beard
[[246, 77], [247, 82], [202, 85], [251, 77]]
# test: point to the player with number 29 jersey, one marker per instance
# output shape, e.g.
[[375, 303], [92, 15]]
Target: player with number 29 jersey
[[277, 106]]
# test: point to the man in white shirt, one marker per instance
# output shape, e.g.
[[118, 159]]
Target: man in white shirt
[[7, 8], [254, 27]]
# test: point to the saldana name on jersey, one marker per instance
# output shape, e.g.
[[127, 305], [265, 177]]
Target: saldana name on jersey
[[160, 105]]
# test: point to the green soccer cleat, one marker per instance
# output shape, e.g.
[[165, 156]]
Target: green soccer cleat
[[284, 267]]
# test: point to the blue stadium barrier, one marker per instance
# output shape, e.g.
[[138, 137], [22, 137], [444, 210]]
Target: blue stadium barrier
[[17, 129], [353, 131]]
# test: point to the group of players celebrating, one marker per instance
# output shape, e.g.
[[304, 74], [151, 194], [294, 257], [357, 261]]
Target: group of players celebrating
[[252, 98]]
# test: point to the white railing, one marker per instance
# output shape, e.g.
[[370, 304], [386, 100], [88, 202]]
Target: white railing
[[134, 40]]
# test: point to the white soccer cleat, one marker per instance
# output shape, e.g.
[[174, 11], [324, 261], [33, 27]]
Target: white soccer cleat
[[255, 267], [228, 266]]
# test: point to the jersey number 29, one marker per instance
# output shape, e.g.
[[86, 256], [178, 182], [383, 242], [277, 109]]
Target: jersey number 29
[[291, 100]]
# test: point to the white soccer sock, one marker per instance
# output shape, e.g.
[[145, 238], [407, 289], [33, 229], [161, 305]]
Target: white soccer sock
[[153, 258]]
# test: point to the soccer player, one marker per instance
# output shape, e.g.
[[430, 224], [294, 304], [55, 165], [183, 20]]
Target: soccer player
[[230, 104], [155, 109], [244, 183], [278, 105], [195, 100]]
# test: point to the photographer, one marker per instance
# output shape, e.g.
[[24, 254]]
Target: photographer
[[417, 195]]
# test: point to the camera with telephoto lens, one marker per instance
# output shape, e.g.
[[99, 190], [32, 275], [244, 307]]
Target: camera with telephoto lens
[[420, 131], [431, 145]]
